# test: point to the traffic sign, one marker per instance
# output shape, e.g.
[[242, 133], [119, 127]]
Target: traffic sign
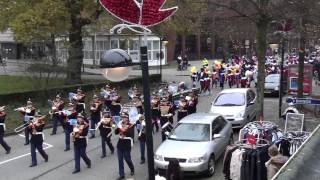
[[308, 101]]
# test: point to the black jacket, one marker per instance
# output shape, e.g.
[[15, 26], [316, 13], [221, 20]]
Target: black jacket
[[37, 138], [82, 142], [123, 144]]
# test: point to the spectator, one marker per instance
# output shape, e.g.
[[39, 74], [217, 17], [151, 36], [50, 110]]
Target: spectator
[[276, 161], [174, 171]]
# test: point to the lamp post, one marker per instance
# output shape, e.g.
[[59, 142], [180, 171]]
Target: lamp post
[[137, 17], [116, 67], [281, 77]]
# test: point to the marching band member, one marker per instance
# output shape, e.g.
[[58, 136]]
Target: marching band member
[[105, 126], [107, 97], [28, 112], [95, 110], [167, 113], [57, 107], [183, 108], [192, 102], [36, 128], [2, 130], [136, 101], [79, 133], [115, 105], [141, 124], [124, 145], [155, 111], [68, 116], [79, 101]]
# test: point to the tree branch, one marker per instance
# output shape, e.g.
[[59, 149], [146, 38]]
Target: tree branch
[[234, 10]]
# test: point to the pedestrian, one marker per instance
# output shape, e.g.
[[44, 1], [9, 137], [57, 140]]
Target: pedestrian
[[174, 171], [95, 109], [276, 161], [2, 130], [105, 126], [179, 61], [36, 127], [57, 107], [124, 145], [141, 126], [79, 137]]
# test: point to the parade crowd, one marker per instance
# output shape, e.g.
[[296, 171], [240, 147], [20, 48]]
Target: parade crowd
[[108, 115]]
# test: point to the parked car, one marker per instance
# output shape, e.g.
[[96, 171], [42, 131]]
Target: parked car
[[272, 84], [197, 141], [237, 105]]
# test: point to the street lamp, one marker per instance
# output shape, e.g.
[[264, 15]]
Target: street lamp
[[116, 65]]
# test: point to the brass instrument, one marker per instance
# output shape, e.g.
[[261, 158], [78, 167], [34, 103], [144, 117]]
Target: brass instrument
[[77, 130], [164, 110], [55, 107], [28, 124]]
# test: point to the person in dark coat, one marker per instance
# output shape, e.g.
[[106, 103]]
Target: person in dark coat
[[124, 145], [105, 126], [95, 114], [174, 171], [141, 126], [2, 130], [36, 128], [79, 137]]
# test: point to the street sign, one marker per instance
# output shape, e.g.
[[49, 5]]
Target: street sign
[[308, 101]]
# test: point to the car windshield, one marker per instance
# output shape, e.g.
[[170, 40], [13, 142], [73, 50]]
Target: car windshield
[[230, 99], [272, 79], [191, 132]]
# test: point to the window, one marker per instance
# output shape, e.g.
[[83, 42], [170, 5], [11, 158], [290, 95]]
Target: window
[[251, 95], [114, 44], [230, 99], [191, 132]]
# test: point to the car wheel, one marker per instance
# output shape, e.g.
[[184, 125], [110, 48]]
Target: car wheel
[[211, 166]]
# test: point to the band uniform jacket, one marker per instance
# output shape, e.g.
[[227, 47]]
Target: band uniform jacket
[[96, 113], [37, 138], [82, 141], [2, 119], [124, 143], [106, 129]]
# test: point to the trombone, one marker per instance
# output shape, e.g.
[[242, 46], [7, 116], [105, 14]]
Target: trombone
[[24, 125]]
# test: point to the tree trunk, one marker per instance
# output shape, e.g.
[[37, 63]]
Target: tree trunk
[[54, 50], [262, 47], [213, 46], [74, 62], [302, 45], [183, 45], [199, 46]]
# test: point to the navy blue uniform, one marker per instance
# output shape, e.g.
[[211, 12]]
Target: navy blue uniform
[[2, 130]]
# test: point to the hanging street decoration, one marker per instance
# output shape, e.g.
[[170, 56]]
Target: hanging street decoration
[[137, 16]]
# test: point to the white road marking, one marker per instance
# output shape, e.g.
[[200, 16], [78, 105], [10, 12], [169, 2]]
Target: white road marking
[[21, 156]]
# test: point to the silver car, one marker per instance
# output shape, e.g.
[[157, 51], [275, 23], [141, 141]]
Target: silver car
[[272, 83], [197, 141], [237, 105]]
